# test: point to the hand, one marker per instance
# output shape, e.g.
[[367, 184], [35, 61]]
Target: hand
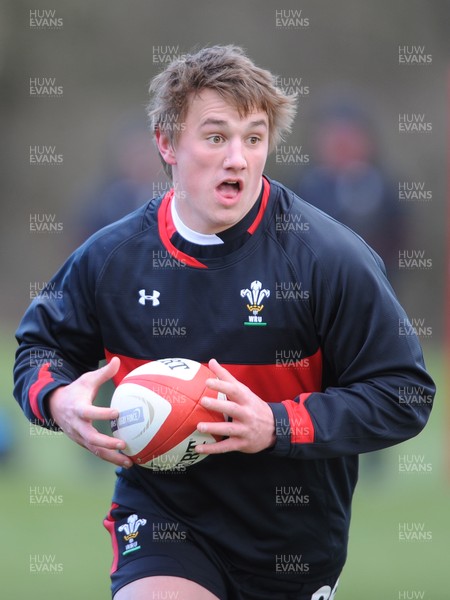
[[252, 428], [72, 409]]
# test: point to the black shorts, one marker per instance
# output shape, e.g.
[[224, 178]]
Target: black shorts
[[150, 544]]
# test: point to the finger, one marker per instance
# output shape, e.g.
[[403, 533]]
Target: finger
[[233, 390], [100, 376], [219, 385], [228, 408], [89, 412], [90, 437], [229, 445], [220, 371], [116, 458], [225, 429]]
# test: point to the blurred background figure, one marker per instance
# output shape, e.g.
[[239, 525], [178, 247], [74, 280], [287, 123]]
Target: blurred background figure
[[132, 174], [347, 181]]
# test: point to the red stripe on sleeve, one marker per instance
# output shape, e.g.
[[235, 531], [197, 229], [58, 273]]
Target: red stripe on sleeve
[[45, 377], [302, 427], [109, 523]]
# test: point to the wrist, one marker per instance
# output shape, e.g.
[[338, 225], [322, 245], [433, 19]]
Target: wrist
[[52, 404]]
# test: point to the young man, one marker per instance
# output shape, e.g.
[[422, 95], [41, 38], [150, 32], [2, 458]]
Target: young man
[[295, 316]]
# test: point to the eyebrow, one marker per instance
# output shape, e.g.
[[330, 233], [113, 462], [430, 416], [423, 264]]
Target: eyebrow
[[223, 123]]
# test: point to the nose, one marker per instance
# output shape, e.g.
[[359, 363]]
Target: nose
[[235, 158]]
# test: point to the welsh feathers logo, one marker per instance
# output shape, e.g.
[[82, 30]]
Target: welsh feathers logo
[[255, 295], [131, 532]]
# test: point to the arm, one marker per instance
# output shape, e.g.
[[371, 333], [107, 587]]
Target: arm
[[55, 374], [376, 392], [59, 340]]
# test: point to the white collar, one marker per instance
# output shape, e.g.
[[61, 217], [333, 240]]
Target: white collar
[[203, 239]]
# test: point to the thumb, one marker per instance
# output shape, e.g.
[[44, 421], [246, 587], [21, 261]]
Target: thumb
[[104, 374]]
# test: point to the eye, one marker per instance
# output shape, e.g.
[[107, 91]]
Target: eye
[[254, 139], [215, 139]]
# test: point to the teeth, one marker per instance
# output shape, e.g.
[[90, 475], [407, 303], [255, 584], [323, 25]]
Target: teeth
[[232, 182]]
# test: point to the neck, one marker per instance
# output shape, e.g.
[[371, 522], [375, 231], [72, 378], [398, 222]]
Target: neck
[[203, 239]]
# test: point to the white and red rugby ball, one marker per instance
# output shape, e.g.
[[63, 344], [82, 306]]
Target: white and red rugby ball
[[159, 409]]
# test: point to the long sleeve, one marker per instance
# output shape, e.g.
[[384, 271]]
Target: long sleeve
[[376, 391], [58, 338]]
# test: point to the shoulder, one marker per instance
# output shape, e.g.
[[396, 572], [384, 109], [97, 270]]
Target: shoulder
[[128, 226], [305, 229], [117, 240], [121, 233]]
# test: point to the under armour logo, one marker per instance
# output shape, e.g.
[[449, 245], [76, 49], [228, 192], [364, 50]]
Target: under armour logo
[[143, 297]]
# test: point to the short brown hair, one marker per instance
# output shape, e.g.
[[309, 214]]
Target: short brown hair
[[229, 72]]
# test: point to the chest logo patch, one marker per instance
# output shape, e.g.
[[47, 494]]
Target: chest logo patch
[[255, 296], [153, 298]]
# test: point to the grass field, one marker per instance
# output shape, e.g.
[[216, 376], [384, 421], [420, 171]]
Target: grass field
[[59, 550]]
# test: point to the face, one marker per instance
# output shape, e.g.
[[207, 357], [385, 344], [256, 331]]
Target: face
[[342, 145], [217, 162]]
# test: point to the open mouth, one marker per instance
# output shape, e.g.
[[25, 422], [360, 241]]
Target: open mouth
[[229, 188]]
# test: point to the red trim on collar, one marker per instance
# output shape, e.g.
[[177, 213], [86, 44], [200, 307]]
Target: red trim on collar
[[166, 226], [262, 208], [166, 229]]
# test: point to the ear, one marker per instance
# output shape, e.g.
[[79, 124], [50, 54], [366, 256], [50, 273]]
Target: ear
[[165, 147]]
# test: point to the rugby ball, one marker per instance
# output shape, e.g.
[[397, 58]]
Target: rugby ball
[[159, 409]]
